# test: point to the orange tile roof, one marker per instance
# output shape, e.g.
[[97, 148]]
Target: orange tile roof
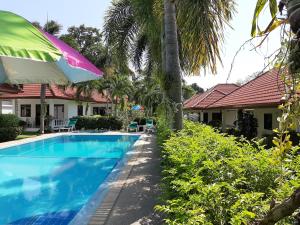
[[31, 91], [6, 88], [265, 90], [201, 101]]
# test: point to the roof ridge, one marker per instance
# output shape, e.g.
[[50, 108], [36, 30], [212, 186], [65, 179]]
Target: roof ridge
[[246, 84]]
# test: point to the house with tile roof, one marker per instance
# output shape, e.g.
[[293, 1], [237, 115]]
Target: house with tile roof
[[197, 106], [260, 96], [62, 104]]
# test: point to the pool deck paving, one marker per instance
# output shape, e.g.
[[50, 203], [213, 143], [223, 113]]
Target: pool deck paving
[[134, 194]]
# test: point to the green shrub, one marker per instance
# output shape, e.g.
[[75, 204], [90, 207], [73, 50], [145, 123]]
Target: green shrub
[[268, 139], [247, 124], [98, 122], [212, 179], [9, 127], [9, 120], [9, 133]]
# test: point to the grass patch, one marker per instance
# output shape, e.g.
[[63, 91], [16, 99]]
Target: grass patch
[[27, 134]]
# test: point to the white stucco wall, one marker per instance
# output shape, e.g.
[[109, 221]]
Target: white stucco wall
[[230, 115], [259, 115], [70, 108]]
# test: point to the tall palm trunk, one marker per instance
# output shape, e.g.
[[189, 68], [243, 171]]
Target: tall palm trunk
[[43, 108], [172, 64]]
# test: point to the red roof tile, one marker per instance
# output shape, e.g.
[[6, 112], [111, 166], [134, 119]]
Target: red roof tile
[[265, 90], [31, 91], [6, 88], [201, 101]]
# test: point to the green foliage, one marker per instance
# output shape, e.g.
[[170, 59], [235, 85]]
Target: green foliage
[[247, 125], [187, 91], [98, 122], [88, 41], [9, 127], [212, 179], [260, 5], [197, 88], [52, 27], [9, 120]]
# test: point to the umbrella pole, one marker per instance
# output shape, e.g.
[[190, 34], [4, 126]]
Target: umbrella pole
[[42, 118]]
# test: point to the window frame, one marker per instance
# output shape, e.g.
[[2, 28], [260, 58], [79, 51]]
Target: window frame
[[81, 109], [270, 120], [23, 109]]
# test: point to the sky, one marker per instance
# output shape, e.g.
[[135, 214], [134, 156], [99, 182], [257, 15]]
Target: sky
[[92, 13]]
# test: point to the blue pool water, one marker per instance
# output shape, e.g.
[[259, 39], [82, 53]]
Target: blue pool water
[[49, 181]]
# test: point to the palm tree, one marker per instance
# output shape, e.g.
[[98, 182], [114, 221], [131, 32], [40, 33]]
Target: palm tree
[[172, 64], [169, 41], [119, 88], [85, 90]]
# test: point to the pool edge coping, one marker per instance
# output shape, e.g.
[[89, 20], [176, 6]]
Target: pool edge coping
[[13, 143], [104, 210]]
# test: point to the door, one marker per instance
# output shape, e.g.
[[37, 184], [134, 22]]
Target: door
[[38, 114], [59, 112], [59, 115]]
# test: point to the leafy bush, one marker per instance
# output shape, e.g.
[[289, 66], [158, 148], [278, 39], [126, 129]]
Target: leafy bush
[[98, 122], [212, 179], [9, 127], [232, 131], [268, 139], [215, 123], [247, 124], [9, 120]]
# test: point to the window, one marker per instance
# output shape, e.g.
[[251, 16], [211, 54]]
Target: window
[[205, 117], [268, 121], [99, 111], [25, 110], [217, 116], [80, 110]]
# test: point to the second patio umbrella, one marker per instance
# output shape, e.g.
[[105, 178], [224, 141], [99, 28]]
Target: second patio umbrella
[[28, 55]]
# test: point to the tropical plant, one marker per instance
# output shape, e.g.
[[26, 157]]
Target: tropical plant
[[52, 27], [156, 37], [85, 90], [119, 89], [288, 58], [209, 178]]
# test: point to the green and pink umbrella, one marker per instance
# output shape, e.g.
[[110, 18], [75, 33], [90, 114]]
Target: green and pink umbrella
[[29, 55]]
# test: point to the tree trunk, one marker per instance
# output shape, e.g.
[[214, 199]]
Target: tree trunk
[[172, 64], [87, 108], [43, 113], [286, 208]]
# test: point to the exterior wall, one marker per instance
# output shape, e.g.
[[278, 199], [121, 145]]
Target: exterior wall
[[70, 108], [229, 116], [259, 115]]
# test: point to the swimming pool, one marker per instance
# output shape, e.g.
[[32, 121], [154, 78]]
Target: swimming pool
[[51, 180]]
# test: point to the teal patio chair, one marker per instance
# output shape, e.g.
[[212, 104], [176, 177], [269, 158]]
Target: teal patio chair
[[132, 126], [70, 126], [149, 125]]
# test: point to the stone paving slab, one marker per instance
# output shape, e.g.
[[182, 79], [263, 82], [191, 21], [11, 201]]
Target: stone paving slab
[[133, 196]]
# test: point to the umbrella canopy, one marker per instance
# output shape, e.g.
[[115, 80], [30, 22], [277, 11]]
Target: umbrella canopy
[[136, 107], [28, 55]]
